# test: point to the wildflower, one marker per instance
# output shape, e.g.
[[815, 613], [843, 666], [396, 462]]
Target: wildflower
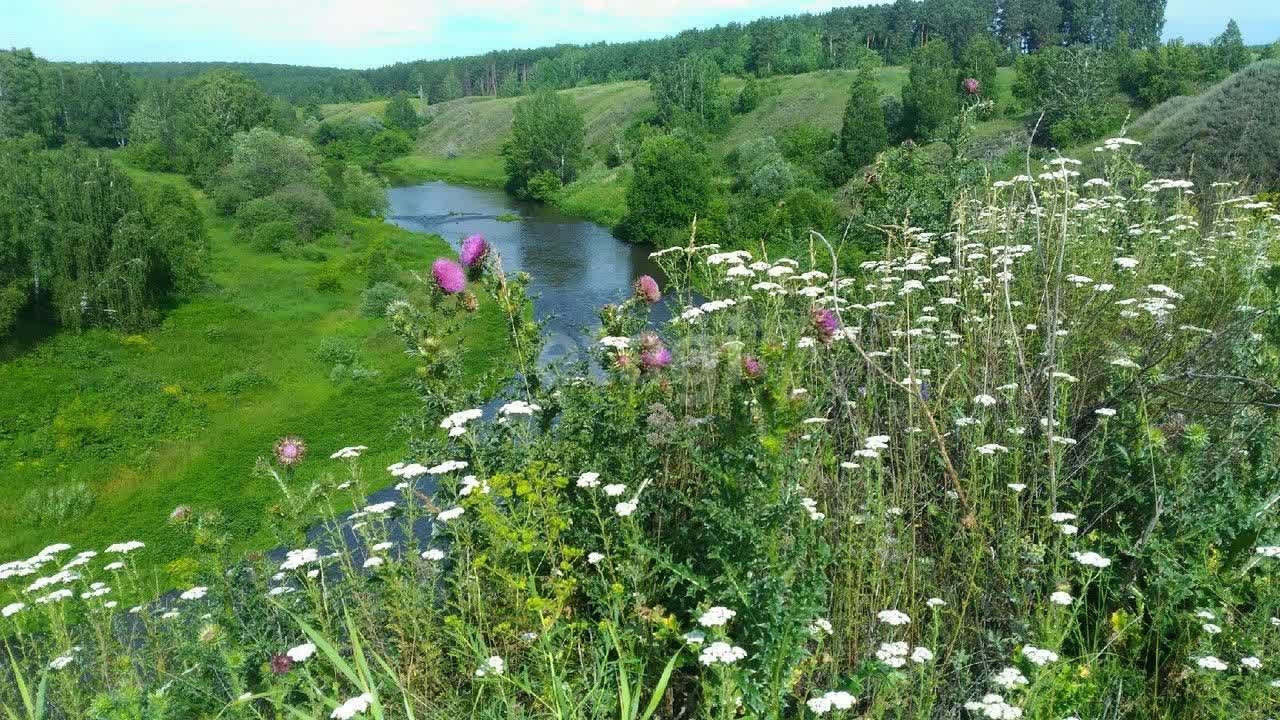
[[449, 276], [1105, 412], [1061, 517], [450, 514], [820, 626], [716, 616], [1039, 656], [1211, 628], [12, 609], [519, 407], [824, 322], [474, 251], [992, 449], [1068, 529], [921, 655], [125, 548], [589, 480], [656, 358], [935, 602], [1209, 662], [447, 466], [614, 489], [695, 637], [355, 706], [433, 554], [373, 562], [296, 559], [615, 342], [1251, 663], [194, 593], [752, 368], [1271, 551], [721, 652], [984, 400], [832, 699], [380, 508], [994, 707], [61, 661], [1126, 263], [647, 289], [971, 86], [893, 654], [1009, 678], [348, 453], [301, 652], [493, 666], [595, 558], [1091, 559], [624, 509], [290, 450], [893, 617]]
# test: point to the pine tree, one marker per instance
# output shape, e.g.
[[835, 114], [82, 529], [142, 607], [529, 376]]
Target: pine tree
[[400, 114], [863, 132]]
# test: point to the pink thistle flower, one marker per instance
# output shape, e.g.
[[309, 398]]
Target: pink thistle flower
[[655, 358], [647, 289], [971, 86], [752, 368], [824, 322], [474, 250], [449, 276], [290, 450], [281, 664]]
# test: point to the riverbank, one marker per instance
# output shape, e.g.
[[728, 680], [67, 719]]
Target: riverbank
[[111, 431], [598, 195]]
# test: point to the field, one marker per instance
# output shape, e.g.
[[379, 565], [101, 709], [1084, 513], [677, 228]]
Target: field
[[463, 141], [178, 414]]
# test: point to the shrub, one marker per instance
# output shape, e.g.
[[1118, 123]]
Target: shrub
[[334, 350], [375, 299], [543, 186], [309, 209], [401, 115], [1231, 131], [363, 194], [274, 236], [259, 211], [748, 98], [327, 279]]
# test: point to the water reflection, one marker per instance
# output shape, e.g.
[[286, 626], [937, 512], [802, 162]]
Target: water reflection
[[576, 265]]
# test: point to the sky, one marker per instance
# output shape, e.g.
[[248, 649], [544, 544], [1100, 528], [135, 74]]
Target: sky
[[369, 33]]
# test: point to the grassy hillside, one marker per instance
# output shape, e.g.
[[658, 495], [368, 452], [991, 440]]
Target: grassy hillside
[[464, 139], [178, 414]]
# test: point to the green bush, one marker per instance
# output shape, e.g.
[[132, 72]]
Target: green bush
[[375, 299], [1230, 131], [543, 186], [260, 211], [931, 94], [274, 236], [327, 279], [309, 209], [1072, 88], [671, 183], [335, 350]]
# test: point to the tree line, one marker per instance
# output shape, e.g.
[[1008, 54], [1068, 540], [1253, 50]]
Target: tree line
[[761, 48]]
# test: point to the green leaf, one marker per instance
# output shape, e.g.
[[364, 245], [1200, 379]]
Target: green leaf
[[661, 688]]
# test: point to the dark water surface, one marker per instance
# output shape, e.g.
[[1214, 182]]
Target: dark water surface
[[576, 265]]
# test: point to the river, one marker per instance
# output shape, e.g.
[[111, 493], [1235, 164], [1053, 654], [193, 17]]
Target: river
[[575, 265]]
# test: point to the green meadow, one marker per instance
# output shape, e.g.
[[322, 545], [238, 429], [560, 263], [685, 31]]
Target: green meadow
[[116, 430]]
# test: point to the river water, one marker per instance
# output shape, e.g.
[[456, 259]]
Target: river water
[[575, 265]]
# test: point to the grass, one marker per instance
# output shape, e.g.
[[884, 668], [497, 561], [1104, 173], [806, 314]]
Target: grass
[[179, 413]]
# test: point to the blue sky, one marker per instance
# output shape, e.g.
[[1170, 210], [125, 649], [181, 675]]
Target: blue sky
[[367, 33]]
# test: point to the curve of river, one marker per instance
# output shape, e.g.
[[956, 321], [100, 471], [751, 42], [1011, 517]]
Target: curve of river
[[575, 265]]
